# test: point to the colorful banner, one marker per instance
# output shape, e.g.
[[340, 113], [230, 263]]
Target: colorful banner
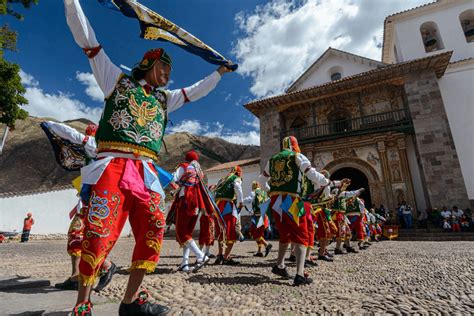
[[155, 27]]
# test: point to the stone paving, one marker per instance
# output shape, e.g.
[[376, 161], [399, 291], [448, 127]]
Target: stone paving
[[390, 277]]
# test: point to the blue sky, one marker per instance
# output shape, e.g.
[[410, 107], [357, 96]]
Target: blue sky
[[273, 41]]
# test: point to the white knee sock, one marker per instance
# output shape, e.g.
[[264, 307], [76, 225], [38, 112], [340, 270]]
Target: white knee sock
[[300, 257], [281, 255], [195, 249], [185, 256]]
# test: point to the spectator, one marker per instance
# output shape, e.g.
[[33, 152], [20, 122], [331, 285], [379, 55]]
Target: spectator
[[406, 211], [434, 217], [446, 225], [445, 214], [464, 223], [27, 223], [400, 215], [456, 219], [423, 219]]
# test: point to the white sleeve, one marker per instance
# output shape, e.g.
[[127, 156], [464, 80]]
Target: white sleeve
[[238, 190], [178, 174], [176, 98], [249, 199], [66, 132], [305, 167], [105, 72], [263, 178], [349, 194]]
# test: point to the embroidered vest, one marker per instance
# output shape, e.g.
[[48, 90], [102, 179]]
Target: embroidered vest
[[225, 189], [307, 187], [340, 204], [353, 207], [284, 173], [260, 197], [133, 121]]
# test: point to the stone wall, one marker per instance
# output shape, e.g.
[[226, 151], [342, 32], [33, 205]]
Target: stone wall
[[440, 168], [270, 128]]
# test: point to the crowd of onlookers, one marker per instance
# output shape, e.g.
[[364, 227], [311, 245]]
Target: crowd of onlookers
[[455, 219]]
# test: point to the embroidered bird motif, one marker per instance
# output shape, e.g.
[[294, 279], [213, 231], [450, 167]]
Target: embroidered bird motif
[[143, 113]]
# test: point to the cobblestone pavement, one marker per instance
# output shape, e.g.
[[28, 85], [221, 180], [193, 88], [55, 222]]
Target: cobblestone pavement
[[389, 277]]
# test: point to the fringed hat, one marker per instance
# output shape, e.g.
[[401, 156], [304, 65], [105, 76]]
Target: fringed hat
[[291, 143], [149, 60], [191, 156], [91, 129], [255, 185]]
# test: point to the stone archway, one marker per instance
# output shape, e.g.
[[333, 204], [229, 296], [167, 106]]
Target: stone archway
[[376, 189], [358, 180]]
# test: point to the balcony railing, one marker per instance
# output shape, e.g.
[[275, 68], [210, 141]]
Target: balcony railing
[[398, 120]]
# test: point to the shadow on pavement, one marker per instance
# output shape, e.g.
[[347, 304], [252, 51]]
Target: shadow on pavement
[[41, 313], [241, 278]]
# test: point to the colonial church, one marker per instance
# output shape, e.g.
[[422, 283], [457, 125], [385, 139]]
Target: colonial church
[[402, 127]]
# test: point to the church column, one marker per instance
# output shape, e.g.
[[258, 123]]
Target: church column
[[271, 126], [385, 174], [406, 173]]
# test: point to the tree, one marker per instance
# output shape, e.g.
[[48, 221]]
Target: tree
[[11, 90]]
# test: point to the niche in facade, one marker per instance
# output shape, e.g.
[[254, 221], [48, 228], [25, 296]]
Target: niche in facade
[[467, 23], [431, 37]]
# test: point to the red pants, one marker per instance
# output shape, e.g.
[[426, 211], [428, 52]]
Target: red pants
[[288, 229], [206, 232], [75, 234], [324, 228], [185, 224], [258, 234], [109, 206], [357, 226], [456, 228], [230, 222], [311, 230], [343, 231]]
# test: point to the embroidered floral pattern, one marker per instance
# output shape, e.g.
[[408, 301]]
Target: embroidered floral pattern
[[156, 130], [120, 119]]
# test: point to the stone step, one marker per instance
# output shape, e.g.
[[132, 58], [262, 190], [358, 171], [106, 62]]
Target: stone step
[[438, 237]]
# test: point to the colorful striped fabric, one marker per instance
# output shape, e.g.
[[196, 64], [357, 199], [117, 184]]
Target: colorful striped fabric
[[155, 27]]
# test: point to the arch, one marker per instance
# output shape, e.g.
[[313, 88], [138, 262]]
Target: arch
[[339, 121], [358, 180], [355, 163], [431, 37], [467, 23]]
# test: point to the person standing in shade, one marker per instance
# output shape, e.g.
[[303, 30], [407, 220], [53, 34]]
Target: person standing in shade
[[27, 223]]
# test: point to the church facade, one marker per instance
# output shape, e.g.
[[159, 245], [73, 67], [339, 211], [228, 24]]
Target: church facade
[[386, 125]]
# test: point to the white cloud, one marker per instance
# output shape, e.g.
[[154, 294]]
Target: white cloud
[[280, 39], [216, 129], [60, 106], [255, 123], [92, 88]]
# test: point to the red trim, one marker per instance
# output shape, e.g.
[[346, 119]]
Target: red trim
[[84, 141], [186, 99], [92, 52]]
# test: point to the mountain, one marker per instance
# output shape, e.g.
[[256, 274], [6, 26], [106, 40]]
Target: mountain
[[27, 162]]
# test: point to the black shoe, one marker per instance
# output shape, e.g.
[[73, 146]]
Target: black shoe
[[219, 259], [183, 268], [68, 285], [281, 272], [326, 253], [141, 307], [292, 258], [258, 254], [363, 247], [106, 278], [310, 263], [200, 264], [301, 280], [82, 309], [325, 258], [367, 243], [344, 246], [339, 252], [230, 262], [267, 249], [210, 255], [351, 249]]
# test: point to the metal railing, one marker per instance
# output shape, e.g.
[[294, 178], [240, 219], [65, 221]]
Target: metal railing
[[396, 120]]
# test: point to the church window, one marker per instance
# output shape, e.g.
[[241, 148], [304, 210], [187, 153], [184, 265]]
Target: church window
[[431, 37], [298, 122], [467, 23], [336, 76]]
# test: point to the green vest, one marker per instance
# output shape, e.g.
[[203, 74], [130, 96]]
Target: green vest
[[132, 120], [340, 204], [307, 187], [225, 189], [353, 208], [260, 197], [284, 173]]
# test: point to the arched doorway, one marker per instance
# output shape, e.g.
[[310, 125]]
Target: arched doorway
[[358, 180]]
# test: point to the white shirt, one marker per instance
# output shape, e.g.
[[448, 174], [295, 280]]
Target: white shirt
[[70, 134], [249, 199], [446, 214], [238, 191], [107, 74], [303, 164]]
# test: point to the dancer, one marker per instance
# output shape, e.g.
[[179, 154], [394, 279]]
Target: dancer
[[259, 222], [189, 201], [284, 173], [67, 137], [229, 199], [124, 182]]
